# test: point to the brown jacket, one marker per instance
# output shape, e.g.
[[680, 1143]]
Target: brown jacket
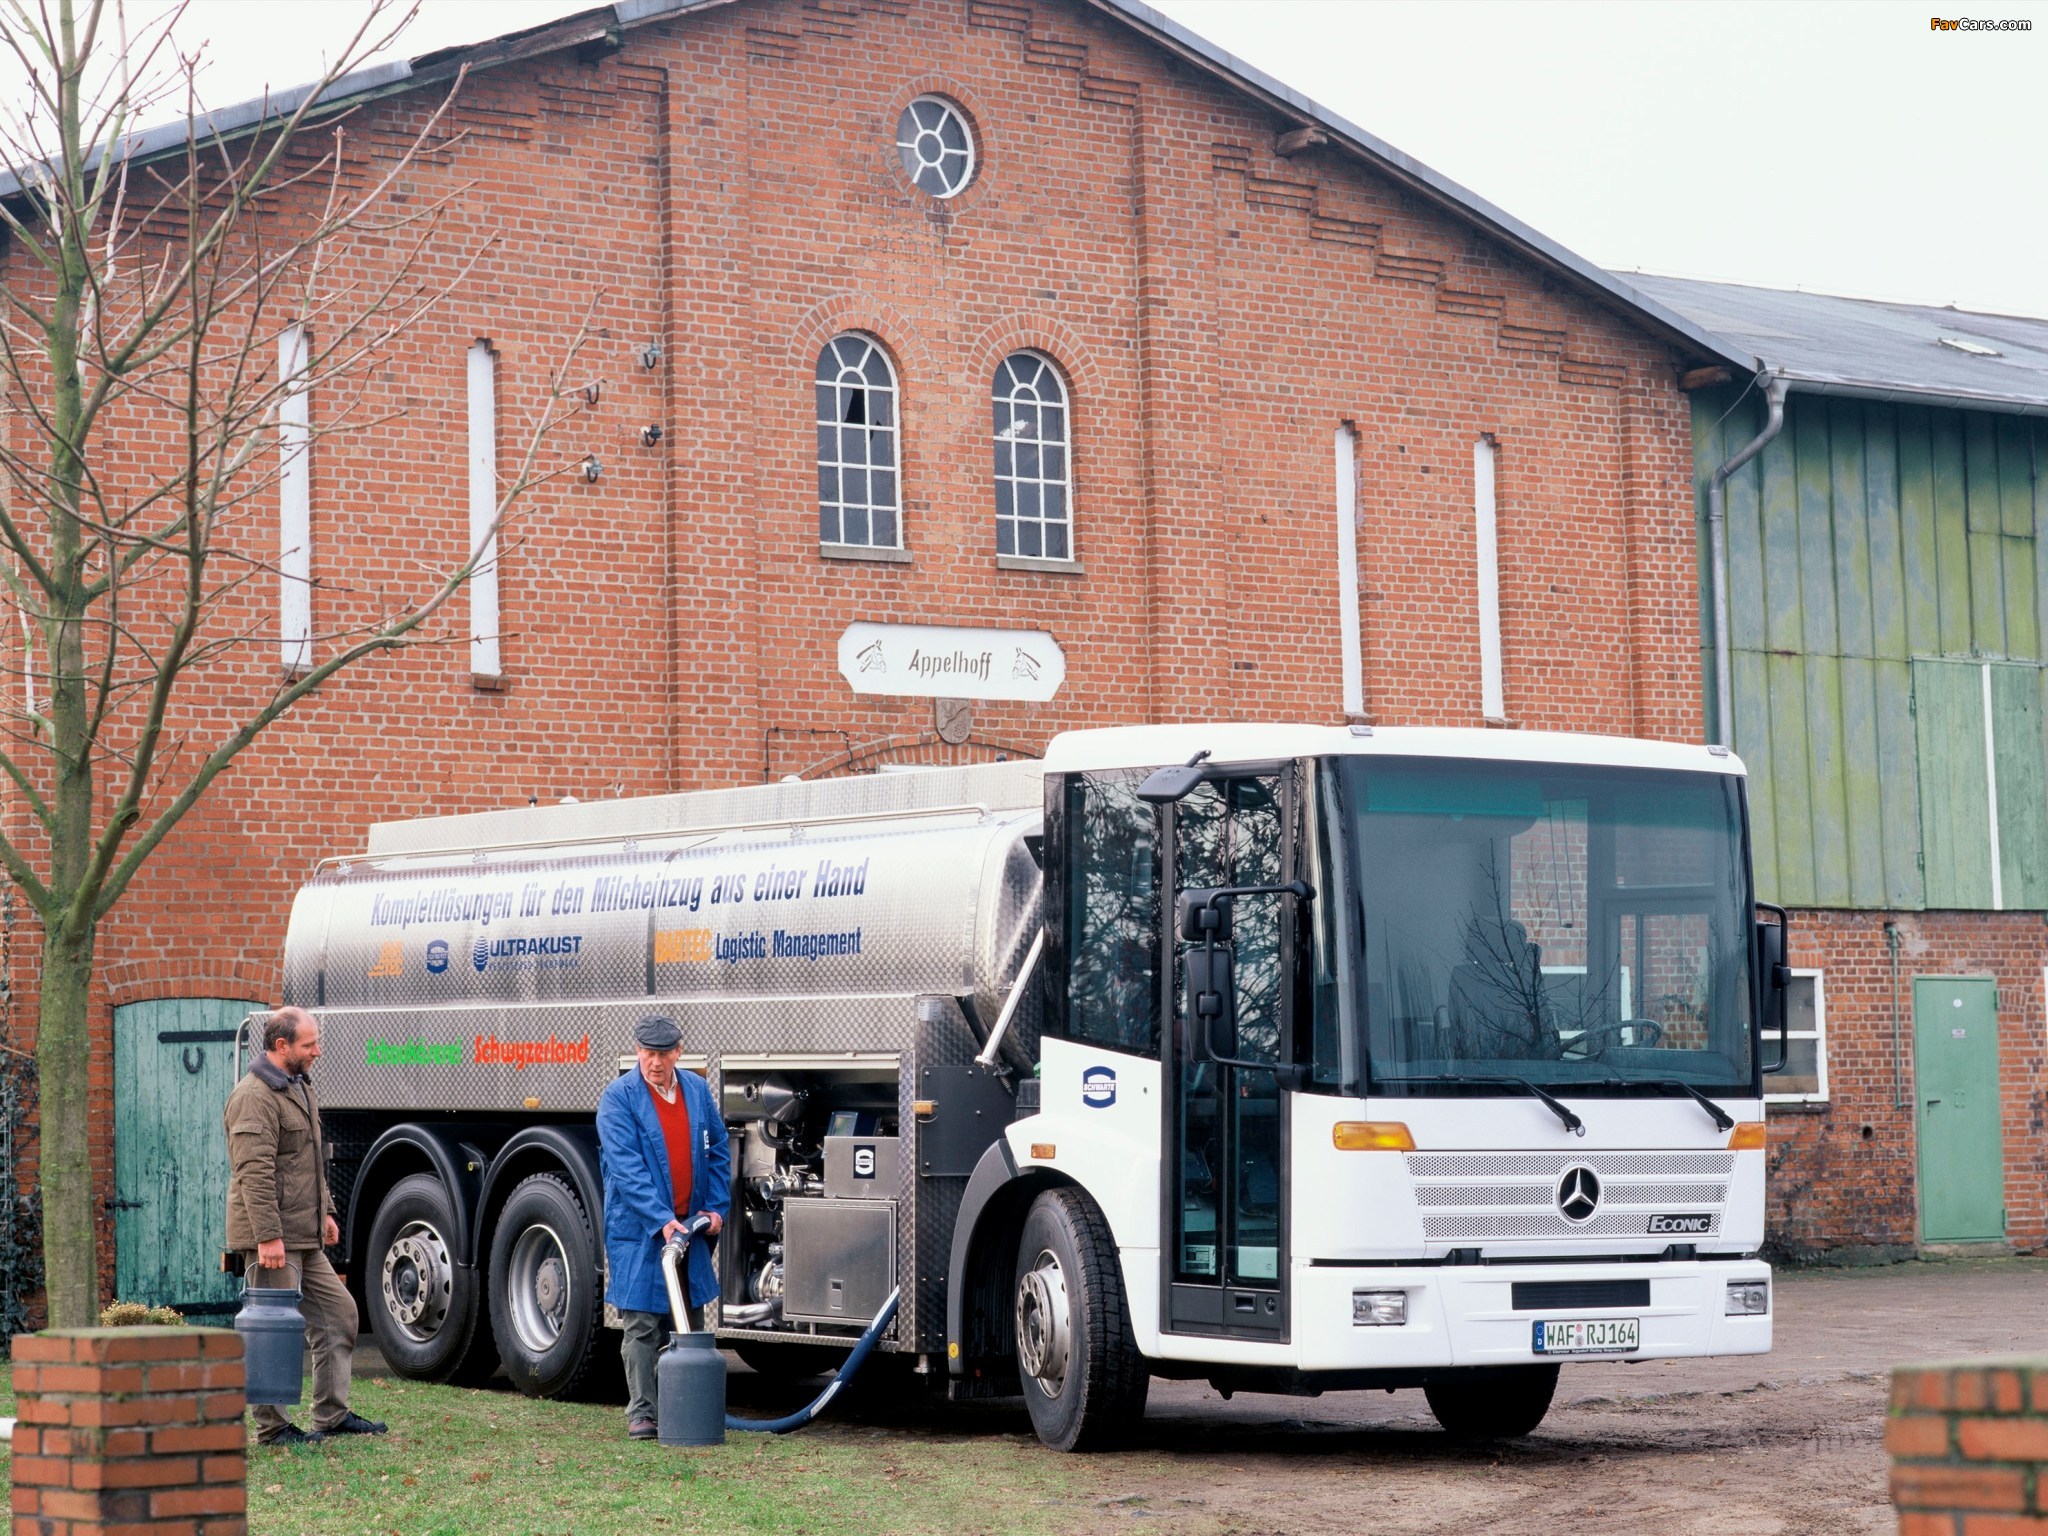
[[277, 1174]]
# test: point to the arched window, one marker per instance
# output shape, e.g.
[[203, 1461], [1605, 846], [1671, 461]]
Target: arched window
[[858, 497], [1034, 502]]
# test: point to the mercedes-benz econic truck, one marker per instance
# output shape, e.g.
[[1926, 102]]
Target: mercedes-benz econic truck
[[1293, 1059]]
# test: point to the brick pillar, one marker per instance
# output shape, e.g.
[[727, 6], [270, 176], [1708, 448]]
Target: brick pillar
[[1969, 1446], [130, 1429]]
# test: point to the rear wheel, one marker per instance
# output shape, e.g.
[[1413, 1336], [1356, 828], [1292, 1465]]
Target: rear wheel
[[547, 1315], [1493, 1402], [422, 1304], [1084, 1380]]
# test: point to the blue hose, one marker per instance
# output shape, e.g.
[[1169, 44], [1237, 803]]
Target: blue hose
[[840, 1378]]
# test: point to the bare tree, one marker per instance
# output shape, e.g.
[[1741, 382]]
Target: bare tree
[[145, 289]]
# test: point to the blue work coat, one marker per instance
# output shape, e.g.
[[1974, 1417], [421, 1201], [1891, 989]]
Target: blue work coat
[[639, 1199]]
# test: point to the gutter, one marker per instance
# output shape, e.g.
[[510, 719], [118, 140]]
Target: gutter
[[1717, 546]]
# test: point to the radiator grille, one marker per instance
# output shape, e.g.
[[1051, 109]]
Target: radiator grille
[[1480, 1196]]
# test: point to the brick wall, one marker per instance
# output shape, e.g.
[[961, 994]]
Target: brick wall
[[728, 183], [1969, 1445], [137, 1430], [1843, 1176]]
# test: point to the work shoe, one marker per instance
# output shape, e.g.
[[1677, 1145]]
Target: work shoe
[[356, 1424], [641, 1429], [291, 1434]]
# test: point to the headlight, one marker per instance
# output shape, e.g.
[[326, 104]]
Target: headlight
[[1379, 1309], [1748, 1298]]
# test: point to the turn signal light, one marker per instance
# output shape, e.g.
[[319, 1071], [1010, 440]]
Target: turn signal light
[[1371, 1136], [1747, 1137], [924, 1109], [1044, 1151]]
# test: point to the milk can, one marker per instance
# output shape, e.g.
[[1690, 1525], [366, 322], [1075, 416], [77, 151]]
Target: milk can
[[273, 1343], [690, 1391]]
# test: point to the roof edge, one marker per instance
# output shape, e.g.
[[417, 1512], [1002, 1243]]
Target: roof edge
[[1589, 277]]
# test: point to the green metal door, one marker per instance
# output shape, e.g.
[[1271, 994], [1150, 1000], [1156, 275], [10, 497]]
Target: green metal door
[[1962, 1144], [174, 1065]]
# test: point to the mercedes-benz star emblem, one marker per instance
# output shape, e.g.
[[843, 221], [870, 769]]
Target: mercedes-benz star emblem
[[1578, 1194]]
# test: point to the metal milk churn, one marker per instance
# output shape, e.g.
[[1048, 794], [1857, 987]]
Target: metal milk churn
[[274, 1343], [690, 1395]]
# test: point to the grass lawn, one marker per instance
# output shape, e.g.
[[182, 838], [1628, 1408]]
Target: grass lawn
[[492, 1463]]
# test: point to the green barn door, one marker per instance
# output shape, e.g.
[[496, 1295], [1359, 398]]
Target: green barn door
[[1962, 1144], [174, 1065]]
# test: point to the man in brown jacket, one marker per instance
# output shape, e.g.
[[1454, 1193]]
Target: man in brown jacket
[[280, 1212]]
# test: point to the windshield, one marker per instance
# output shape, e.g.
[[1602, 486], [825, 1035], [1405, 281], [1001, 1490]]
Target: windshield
[[1583, 926]]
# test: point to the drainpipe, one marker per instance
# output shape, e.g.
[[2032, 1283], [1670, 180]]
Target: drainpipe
[[1717, 557], [1891, 941]]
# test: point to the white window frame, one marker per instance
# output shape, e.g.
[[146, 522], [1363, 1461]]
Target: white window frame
[[294, 503], [1350, 643], [1818, 1035], [931, 123], [839, 464], [486, 617], [1054, 395], [1486, 530]]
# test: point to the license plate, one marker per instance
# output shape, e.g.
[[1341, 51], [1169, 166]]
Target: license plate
[[1588, 1336]]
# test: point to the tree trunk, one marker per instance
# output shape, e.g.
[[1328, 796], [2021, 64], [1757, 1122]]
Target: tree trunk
[[64, 1065]]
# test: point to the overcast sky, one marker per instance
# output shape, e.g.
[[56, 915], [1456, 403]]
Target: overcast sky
[[1846, 148]]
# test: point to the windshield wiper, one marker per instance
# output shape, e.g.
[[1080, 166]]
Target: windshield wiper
[[1571, 1121]]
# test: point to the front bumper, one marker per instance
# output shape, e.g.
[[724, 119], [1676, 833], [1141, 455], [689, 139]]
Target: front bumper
[[1465, 1314]]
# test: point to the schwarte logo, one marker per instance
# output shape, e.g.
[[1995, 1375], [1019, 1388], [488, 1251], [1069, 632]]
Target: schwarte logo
[[1098, 1087], [437, 956]]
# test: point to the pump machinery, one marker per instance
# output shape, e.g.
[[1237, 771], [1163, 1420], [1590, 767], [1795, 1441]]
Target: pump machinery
[[1289, 1058]]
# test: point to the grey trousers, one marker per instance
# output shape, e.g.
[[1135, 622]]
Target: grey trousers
[[645, 1334], [331, 1324]]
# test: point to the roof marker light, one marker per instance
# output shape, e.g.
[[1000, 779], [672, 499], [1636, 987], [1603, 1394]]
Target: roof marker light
[[1974, 348]]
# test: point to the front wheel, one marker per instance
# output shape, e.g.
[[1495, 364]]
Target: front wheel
[[1493, 1402], [423, 1305], [546, 1311], [1084, 1380]]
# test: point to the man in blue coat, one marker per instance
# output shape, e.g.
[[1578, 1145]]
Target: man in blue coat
[[666, 1161]]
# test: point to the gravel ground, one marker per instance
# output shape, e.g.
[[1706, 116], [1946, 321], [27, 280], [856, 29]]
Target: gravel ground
[[1786, 1442], [1789, 1442]]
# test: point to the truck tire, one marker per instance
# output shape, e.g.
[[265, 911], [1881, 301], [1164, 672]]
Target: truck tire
[[1493, 1402], [547, 1315], [422, 1303], [1084, 1380]]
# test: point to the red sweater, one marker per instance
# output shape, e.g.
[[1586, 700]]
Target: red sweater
[[675, 1132]]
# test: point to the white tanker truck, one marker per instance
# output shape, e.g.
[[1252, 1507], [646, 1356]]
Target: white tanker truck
[[1289, 1058]]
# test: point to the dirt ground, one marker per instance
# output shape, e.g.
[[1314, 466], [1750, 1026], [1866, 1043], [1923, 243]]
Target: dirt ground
[[1789, 1442]]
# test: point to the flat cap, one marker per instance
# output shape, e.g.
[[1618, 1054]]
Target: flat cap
[[657, 1032]]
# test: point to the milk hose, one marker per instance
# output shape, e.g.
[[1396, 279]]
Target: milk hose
[[672, 1259]]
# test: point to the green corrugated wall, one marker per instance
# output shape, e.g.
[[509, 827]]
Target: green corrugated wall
[[1864, 538]]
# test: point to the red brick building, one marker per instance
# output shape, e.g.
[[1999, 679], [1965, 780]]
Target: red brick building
[[1254, 416]]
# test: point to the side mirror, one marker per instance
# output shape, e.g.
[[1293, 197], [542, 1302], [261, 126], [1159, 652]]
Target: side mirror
[[1211, 1002], [1166, 786], [1774, 981]]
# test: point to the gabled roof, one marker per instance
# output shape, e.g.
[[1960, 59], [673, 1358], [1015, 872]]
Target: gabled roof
[[603, 24], [1874, 350]]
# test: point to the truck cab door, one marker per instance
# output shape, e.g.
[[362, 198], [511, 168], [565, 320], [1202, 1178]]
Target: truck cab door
[[1225, 1258]]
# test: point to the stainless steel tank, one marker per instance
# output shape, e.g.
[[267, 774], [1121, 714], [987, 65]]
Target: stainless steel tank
[[499, 962]]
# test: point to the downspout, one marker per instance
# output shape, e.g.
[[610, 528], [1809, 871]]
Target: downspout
[[1717, 559], [1891, 942]]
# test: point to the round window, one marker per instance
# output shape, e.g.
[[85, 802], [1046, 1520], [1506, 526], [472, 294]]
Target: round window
[[937, 149]]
